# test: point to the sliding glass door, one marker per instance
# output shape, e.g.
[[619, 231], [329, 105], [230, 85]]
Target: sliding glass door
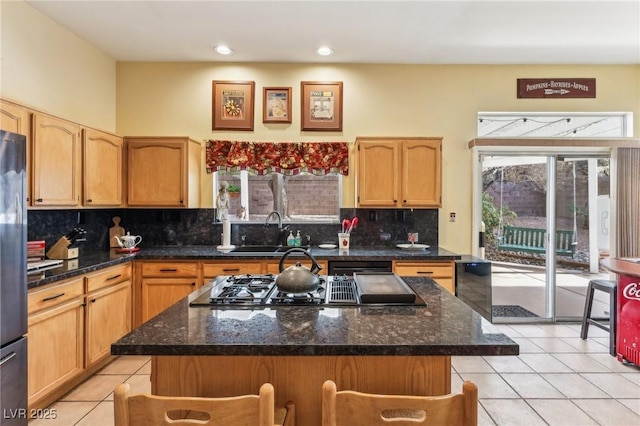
[[514, 213], [582, 220], [546, 227]]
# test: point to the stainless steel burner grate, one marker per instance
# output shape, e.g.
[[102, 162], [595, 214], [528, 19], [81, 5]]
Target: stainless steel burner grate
[[342, 291]]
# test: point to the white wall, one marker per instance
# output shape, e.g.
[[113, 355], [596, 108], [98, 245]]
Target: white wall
[[46, 67]]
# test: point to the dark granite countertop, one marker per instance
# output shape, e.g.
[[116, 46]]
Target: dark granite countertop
[[89, 261], [210, 253], [446, 326]]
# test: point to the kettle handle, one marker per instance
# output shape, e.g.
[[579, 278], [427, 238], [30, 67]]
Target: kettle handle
[[315, 268]]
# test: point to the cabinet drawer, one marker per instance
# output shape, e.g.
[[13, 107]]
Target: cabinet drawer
[[210, 270], [108, 276], [54, 295], [170, 269], [274, 267], [419, 269]]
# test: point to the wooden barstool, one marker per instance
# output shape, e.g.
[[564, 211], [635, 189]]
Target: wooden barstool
[[607, 287]]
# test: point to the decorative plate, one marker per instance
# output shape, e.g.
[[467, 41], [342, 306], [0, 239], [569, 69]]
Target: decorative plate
[[412, 246], [327, 246]]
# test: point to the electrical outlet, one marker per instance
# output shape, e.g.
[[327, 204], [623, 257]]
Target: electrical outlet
[[452, 217]]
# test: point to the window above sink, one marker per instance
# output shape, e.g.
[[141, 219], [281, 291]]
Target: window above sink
[[303, 198]]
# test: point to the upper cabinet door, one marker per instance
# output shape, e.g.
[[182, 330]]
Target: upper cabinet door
[[157, 172], [399, 172], [56, 162], [421, 173], [378, 173], [17, 119], [103, 169]]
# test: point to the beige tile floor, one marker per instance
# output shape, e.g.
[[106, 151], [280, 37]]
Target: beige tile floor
[[524, 285], [558, 379]]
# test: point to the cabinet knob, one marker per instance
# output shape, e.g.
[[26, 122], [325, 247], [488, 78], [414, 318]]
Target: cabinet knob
[[38, 200], [93, 300], [89, 200]]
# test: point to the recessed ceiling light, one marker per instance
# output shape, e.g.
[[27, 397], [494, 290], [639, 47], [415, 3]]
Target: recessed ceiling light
[[222, 49], [324, 51]]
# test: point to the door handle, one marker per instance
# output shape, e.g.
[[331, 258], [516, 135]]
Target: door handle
[[7, 358]]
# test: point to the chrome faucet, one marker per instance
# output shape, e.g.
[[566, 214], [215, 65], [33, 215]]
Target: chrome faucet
[[282, 231], [275, 212]]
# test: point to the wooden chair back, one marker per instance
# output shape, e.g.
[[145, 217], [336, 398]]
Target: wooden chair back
[[151, 410], [348, 408]]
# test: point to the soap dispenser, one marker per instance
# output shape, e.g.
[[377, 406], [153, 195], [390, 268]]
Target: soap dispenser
[[291, 240], [298, 239]]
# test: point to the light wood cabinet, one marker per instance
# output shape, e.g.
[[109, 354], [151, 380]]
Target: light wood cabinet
[[399, 172], [273, 267], [164, 283], [108, 310], [163, 172], [160, 293], [440, 272], [71, 327], [103, 169], [56, 337], [17, 119], [211, 270], [55, 162]]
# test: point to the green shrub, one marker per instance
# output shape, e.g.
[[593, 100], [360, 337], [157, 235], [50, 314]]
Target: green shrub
[[491, 216]]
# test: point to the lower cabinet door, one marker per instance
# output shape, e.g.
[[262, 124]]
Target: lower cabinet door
[[108, 319], [56, 347], [160, 293]]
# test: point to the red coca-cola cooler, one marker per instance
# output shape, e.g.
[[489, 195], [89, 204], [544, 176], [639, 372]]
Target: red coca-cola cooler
[[628, 333]]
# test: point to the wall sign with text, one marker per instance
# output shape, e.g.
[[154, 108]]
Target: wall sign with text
[[556, 88]]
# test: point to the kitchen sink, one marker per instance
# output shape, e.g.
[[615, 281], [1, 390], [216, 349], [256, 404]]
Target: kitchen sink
[[265, 249], [256, 249]]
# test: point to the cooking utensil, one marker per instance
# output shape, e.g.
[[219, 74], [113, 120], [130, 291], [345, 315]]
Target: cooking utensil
[[354, 222], [298, 279], [383, 288], [114, 231], [346, 223]]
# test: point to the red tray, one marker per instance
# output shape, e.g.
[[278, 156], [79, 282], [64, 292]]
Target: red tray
[[127, 250]]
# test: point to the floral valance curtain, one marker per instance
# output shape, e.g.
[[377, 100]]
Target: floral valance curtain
[[288, 158]]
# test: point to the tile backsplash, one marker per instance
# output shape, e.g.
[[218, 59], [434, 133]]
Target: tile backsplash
[[383, 227]]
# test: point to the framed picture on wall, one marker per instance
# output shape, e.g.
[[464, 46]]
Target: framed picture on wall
[[276, 105], [321, 106], [233, 104]]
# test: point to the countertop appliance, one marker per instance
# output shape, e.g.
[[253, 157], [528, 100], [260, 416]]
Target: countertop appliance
[[13, 280], [251, 290], [473, 284]]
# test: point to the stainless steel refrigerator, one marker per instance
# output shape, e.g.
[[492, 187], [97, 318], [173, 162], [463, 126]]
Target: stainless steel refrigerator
[[13, 280]]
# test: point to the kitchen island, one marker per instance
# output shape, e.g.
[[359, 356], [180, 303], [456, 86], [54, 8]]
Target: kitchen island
[[224, 351]]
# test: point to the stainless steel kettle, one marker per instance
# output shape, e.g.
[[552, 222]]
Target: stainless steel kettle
[[298, 279]]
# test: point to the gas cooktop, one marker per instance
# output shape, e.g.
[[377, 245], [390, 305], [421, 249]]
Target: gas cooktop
[[251, 290]]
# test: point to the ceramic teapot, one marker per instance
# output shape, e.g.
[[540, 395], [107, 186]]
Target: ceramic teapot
[[298, 279], [128, 241]]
